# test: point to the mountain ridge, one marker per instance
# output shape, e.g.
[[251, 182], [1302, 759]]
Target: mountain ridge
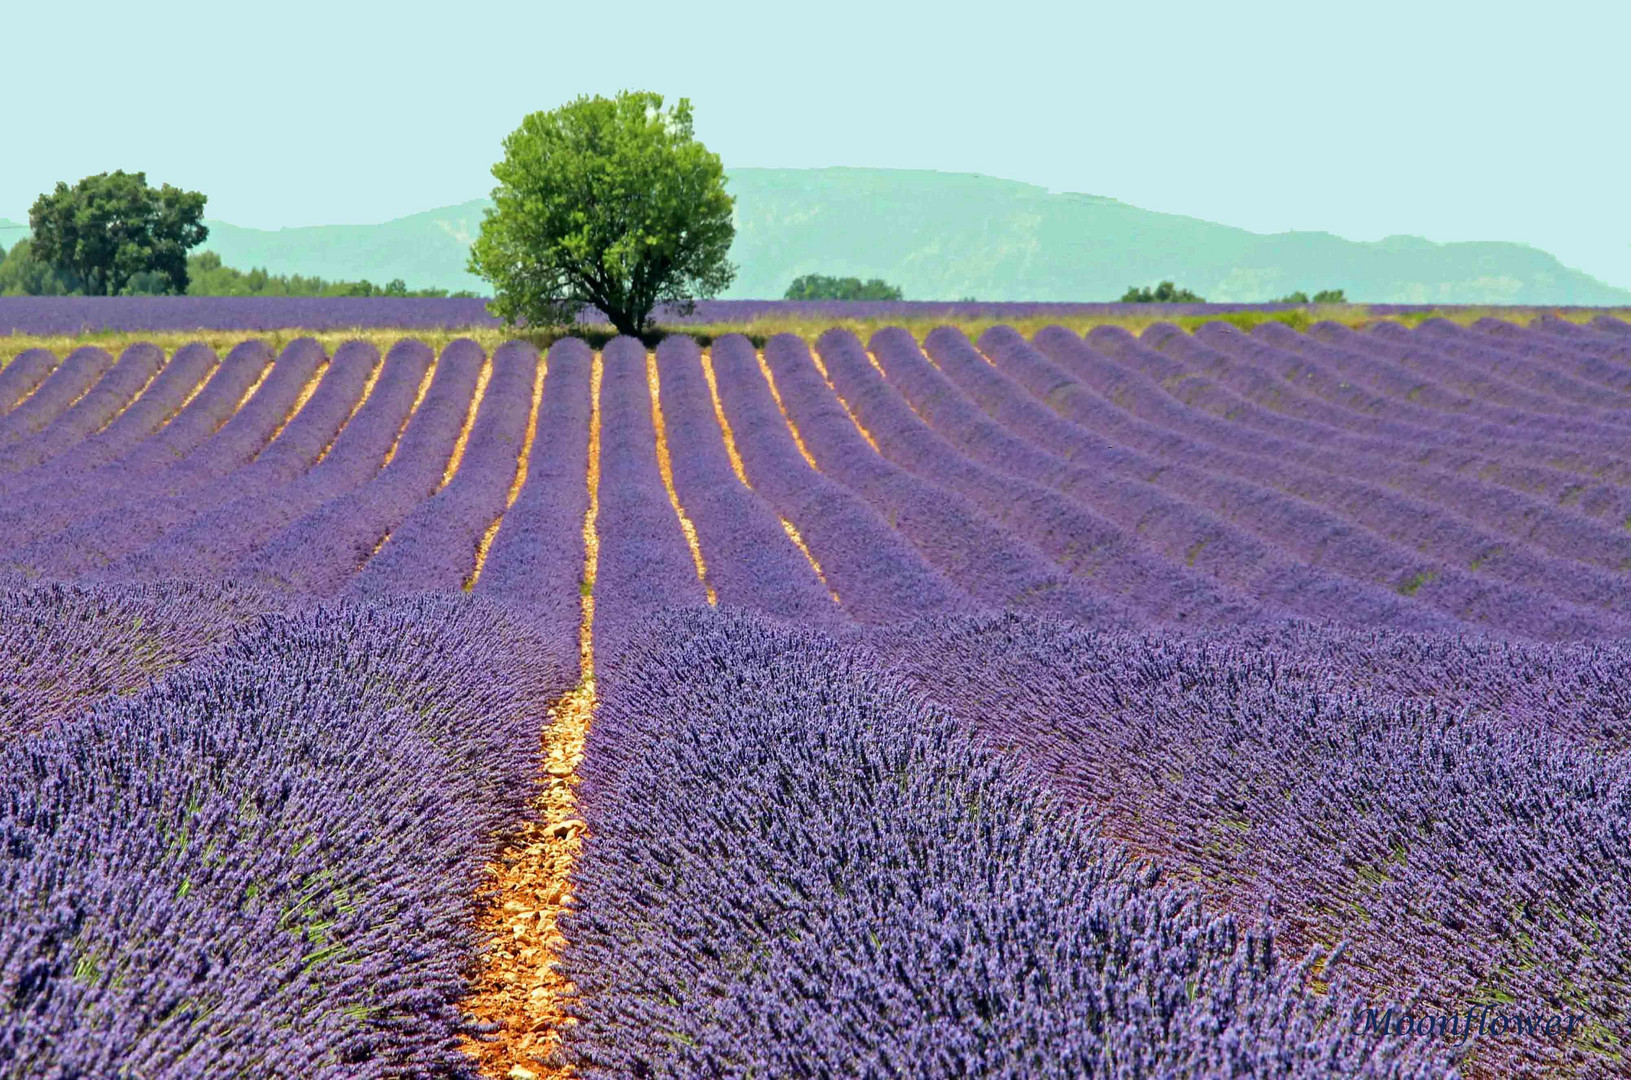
[[945, 236]]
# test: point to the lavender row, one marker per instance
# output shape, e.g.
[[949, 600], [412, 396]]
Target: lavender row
[[64, 386], [434, 549], [1306, 531], [160, 402], [267, 864], [1465, 856], [536, 562], [992, 565], [1518, 367], [1569, 423], [217, 470], [1588, 361], [22, 375], [134, 369], [318, 554], [793, 868], [1016, 432], [1088, 545], [877, 575], [66, 646], [213, 542], [1455, 438], [1395, 461], [42, 504], [645, 566], [90, 531], [751, 561], [1142, 390]]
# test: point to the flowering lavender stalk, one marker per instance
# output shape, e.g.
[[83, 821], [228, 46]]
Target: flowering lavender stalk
[[66, 646], [877, 575], [1463, 845], [267, 863], [794, 868], [752, 563]]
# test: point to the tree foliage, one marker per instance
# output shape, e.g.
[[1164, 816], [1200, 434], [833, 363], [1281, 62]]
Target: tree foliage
[[1324, 296], [1164, 293], [22, 274], [112, 227], [822, 287], [605, 202]]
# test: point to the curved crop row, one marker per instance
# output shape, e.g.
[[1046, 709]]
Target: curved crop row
[[1512, 455], [1085, 543], [22, 375], [213, 542], [536, 561], [319, 553], [752, 563], [795, 869], [1311, 533], [993, 566], [645, 566], [1468, 856], [135, 368], [162, 399], [434, 549], [229, 462], [1442, 524], [1108, 479], [877, 575], [64, 386], [299, 826]]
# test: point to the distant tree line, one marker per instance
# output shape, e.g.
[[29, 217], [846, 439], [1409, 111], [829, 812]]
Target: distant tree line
[[24, 274], [1324, 296], [822, 287], [1164, 293]]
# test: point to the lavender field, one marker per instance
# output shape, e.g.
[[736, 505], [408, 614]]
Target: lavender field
[[996, 704]]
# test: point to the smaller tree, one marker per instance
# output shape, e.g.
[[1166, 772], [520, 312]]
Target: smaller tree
[[1330, 296], [1164, 293], [1298, 297], [605, 202], [21, 274], [822, 287], [109, 228]]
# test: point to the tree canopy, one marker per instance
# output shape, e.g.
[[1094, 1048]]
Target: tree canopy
[[609, 202], [1324, 296], [821, 287], [1164, 293], [112, 227]]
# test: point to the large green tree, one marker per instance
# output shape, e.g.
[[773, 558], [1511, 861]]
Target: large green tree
[[605, 202], [112, 227]]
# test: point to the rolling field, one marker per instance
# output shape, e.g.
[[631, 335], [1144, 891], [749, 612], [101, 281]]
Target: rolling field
[[1111, 697]]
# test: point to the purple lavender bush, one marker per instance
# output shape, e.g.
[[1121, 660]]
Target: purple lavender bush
[[794, 868], [267, 863]]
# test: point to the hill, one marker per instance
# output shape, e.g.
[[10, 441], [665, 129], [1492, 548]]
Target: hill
[[953, 235]]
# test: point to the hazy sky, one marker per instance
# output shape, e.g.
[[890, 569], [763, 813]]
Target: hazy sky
[[1449, 120]]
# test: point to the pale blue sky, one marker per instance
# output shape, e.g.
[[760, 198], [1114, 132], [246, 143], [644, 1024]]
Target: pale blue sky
[[1450, 120]]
